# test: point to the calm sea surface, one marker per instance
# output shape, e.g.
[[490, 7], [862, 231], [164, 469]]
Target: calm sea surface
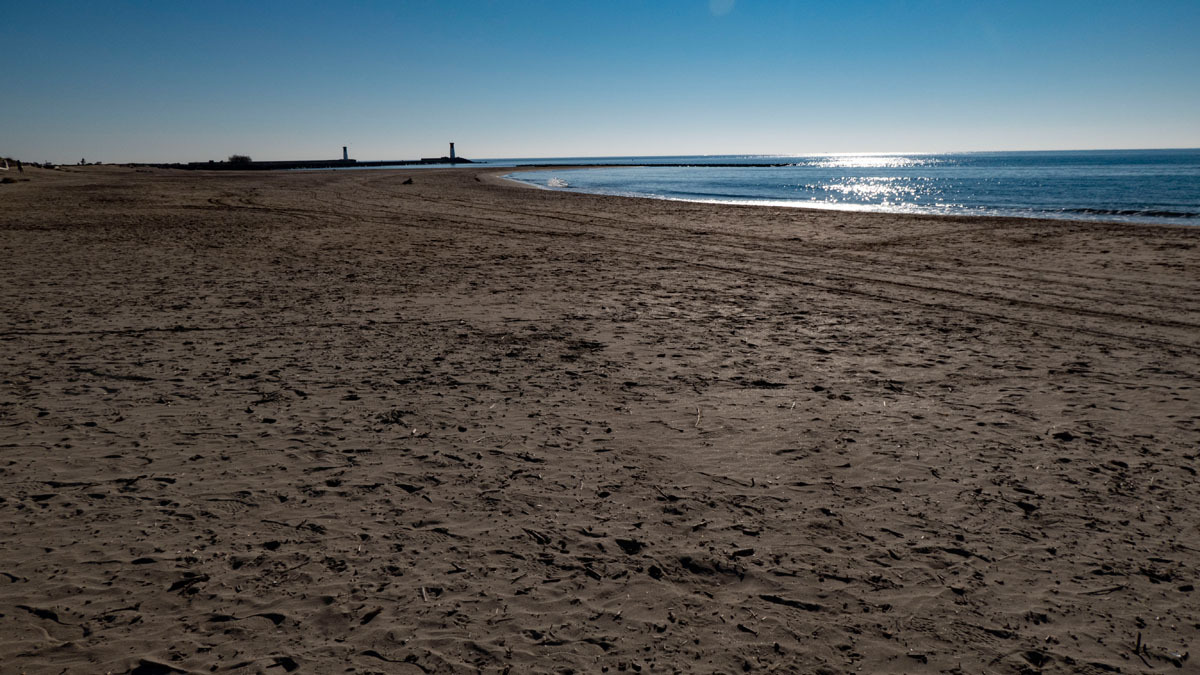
[[1144, 186]]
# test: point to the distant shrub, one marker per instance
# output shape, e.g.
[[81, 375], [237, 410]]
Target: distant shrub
[[240, 160]]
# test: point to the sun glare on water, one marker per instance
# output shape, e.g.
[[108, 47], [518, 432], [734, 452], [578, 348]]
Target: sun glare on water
[[869, 161], [877, 188]]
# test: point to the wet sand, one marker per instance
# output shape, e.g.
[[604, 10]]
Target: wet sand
[[329, 422]]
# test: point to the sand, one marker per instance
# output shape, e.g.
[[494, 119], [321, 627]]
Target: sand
[[325, 422]]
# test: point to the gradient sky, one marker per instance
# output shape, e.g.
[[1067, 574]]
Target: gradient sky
[[185, 81]]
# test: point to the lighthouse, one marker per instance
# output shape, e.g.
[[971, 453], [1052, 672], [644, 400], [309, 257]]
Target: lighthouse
[[451, 151], [345, 154]]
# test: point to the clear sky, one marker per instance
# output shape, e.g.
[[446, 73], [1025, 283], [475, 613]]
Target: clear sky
[[183, 81]]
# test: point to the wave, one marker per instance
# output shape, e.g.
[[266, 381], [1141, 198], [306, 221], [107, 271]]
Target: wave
[[1147, 213]]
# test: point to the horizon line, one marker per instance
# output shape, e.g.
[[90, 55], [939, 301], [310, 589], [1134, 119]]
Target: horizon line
[[828, 154], [732, 154]]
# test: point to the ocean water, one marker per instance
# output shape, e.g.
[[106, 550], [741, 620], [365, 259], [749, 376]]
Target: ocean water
[[1143, 186]]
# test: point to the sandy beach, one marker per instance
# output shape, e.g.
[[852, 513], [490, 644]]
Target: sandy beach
[[324, 422]]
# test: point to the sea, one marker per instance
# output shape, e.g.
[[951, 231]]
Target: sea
[[1137, 186]]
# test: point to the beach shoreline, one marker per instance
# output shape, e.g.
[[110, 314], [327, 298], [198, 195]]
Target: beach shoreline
[[329, 420], [1148, 187], [500, 174]]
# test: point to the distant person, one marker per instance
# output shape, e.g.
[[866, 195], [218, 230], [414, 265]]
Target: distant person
[[20, 169]]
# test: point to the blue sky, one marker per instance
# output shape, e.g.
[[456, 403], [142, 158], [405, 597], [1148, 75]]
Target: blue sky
[[181, 81]]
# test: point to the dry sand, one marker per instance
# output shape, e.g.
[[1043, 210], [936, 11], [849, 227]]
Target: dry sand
[[327, 422]]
